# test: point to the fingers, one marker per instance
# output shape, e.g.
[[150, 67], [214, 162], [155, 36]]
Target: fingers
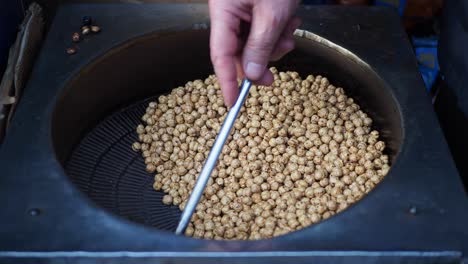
[[266, 27], [267, 78], [286, 41], [283, 46], [240, 71], [270, 37], [224, 48]]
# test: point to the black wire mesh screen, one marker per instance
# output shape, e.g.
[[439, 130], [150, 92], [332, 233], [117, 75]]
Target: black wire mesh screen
[[105, 167]]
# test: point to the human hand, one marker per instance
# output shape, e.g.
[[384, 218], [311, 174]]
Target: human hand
[[270, 37]]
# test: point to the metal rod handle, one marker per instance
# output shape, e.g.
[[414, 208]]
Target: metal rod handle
[[210, 162]]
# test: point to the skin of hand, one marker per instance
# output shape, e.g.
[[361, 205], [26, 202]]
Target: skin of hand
[[236, 53]]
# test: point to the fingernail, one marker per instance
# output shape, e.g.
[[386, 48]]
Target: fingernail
[[254, 70]]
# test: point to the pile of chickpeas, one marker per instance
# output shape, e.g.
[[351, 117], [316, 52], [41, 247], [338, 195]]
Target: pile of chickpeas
[[300, 151]]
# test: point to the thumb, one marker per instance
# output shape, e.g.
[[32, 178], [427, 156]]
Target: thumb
[[265, 30]]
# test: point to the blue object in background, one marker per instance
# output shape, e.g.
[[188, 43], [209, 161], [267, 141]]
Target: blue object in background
[[398, 4], [11, 13], [426, 55]]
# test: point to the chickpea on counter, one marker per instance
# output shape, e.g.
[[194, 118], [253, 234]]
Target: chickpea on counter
[[300, 151]]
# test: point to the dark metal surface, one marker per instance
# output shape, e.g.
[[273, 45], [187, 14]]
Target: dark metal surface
[[114, 176], [44, 217]]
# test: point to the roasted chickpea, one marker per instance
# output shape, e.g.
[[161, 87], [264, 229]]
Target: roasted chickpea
[[300, 151]]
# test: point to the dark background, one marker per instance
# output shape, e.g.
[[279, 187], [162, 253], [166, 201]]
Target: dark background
[[416, 14], [11, 13]]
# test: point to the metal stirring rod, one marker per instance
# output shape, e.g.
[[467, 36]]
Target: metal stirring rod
[[210, 162]]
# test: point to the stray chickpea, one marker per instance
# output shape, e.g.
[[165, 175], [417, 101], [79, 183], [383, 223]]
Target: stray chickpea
[[167, 199]]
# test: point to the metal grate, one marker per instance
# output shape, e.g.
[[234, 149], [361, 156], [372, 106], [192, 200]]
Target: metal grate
[[105, 167]]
